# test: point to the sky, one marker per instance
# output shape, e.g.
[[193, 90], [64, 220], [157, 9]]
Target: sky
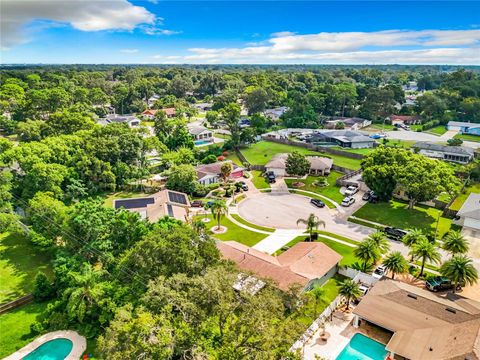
[[239, 32]]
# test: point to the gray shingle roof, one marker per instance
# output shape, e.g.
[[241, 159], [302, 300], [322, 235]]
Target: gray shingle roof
[[471, 207], [460, 150], [462, 123]]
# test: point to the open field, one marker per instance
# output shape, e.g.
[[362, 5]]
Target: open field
[[15, 327], [234, 232], [331, 191], [396, 213], [19, 263], [460, 199]]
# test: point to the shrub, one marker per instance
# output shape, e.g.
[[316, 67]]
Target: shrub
[[209, 159], [221, 158], [43, 288]]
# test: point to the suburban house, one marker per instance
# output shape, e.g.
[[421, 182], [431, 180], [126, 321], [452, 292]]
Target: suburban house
[[344, 138], [151, 100], [212, 173], [131, 120], [201, 134], [469, 214], [305, 264], [318, 165], [423, 326], [464, 127], [350, 123], [203, 106], [150, 113], [405, 119], [458, 154], [163, 203], [276, 113]]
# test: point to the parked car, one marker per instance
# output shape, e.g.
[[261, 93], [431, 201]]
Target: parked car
[[271, 177], [347, 201], [379, 272], [197, 203], [351, 190], [394, 233], [373, 198], [439, 283], [367, 195], [317, 203], [363, 289]]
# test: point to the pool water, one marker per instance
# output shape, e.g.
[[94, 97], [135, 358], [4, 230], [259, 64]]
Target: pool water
[[202, 142], [361, 347], [56, 349]]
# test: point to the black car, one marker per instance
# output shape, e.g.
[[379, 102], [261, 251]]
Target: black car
[[270, 177], [394, 233], [367, 195], [373, 198], [244, 187], [317, 203]]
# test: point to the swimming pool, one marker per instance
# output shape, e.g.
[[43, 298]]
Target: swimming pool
[[362, 347], [202, 142], [56, 349]]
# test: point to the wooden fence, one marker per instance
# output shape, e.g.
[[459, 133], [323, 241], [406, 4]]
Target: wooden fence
[[16, 303]]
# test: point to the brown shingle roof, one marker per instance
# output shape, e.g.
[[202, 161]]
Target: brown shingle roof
[[298, 265], [425, 326]]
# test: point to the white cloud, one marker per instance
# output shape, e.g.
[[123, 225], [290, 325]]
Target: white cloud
[[129, 51], [282, 33], [84, 15], [153, 30], [384, 47]]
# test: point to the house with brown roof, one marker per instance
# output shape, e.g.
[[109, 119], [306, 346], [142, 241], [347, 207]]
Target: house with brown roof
[[424, 326], [318, 165], [405, 119], [152, 208], [150, 113], [211, 173], [305, 264]]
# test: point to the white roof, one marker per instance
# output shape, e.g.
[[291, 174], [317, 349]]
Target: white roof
[[471, 207]]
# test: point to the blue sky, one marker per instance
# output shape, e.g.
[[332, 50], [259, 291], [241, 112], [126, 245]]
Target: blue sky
[[155, 31]]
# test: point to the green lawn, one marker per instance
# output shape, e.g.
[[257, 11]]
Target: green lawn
[[261, 152], [233, 157], [396, 213], [123, 195], [15, 327], [379, 127], [437, 130], [460, 199], [235, 232], [356, 151], [332, 191], [307, 314], [245, 222], [406, 144], [466, 137], [19, 263], [259, 180]]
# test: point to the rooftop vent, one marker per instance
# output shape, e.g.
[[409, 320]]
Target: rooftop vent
[[453, 311], [412, 296]]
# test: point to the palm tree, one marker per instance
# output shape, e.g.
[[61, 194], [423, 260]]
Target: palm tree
[[313, 222], [460, 270], [84, 292], [455, 243], [368, 252], [317, 293], [413, 237], [396, 263], [226, 170], [198, 225], [382, 243], [349, 290], [425, 250], [219, 209]]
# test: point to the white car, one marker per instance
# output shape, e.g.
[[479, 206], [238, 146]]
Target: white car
[[379, 272], [351, 190], [347, 201], [363, 289]]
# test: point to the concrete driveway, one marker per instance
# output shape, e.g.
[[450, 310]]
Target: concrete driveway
[[421, 136], [282, 210]]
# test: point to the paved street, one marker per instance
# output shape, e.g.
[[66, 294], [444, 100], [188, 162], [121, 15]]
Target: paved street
[[421, 136]]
